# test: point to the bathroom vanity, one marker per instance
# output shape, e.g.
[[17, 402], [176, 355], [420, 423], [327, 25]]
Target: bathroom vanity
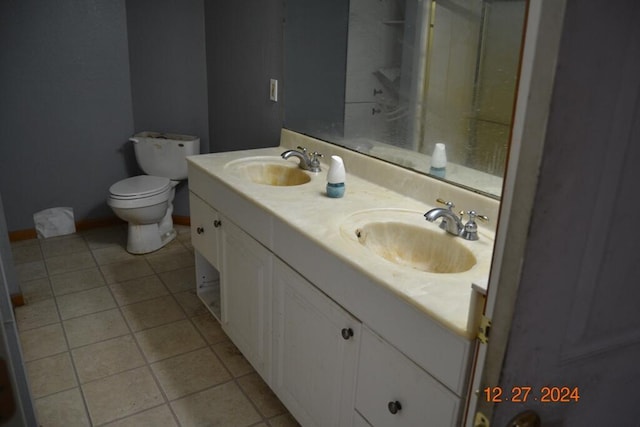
[[332, 300]]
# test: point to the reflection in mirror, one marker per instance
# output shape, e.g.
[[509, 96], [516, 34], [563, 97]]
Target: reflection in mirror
[[391, 78]]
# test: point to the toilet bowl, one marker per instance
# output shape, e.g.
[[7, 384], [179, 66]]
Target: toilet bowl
[[146, 203]]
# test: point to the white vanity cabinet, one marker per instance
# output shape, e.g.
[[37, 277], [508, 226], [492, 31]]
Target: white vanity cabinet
[[233, 273], [335, 346], [315, 351], [393, 391], [246, 272], [206, 240], [205, 229]]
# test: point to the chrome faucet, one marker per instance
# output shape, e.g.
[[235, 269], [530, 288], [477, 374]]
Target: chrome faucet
[[310, 162], [452, 223]]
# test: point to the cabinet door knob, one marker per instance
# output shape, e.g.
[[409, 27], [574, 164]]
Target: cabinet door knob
[[199, 230], [347, 333], [217, 223], [394, 406]]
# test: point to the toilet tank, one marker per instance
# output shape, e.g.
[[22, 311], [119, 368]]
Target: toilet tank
[[164, 154]]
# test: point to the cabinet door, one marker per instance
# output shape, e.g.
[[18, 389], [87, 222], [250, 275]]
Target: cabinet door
[[315, 352], [393, 391], [205, 229], [246, 295]]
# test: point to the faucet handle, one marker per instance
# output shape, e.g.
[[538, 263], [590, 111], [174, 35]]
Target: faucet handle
[[448, 204], [303, 149], [315, 156], [473, 215], [470, 231]]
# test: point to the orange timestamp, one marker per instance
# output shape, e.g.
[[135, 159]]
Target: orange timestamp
[[522, 394]]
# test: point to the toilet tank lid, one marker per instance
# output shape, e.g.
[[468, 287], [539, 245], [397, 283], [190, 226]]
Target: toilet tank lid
[[140, 186]]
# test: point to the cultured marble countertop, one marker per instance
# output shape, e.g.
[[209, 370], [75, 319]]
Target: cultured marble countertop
[[331, 223]]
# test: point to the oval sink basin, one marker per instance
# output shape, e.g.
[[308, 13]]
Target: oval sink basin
[[417, 247], [270, 171]]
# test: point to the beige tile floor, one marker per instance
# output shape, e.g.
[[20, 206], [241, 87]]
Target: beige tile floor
[[111, 338]]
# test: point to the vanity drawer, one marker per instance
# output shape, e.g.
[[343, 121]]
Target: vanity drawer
[[394, 391], [205, 229]]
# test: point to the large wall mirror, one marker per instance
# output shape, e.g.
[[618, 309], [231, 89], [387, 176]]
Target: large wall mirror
[[393, 78]]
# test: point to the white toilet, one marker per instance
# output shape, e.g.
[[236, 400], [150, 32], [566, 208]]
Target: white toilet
[[146, 201]]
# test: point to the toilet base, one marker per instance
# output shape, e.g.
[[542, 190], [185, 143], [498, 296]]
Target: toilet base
[[145, 238]]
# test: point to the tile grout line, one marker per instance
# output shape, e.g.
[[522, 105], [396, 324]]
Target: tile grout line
[[165, 400], [190, 314], [71, 358], [148, 364]]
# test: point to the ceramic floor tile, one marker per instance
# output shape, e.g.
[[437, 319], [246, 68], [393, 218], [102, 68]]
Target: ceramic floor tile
[[159, 416], [137, 290], [108, 236], [183, 279], [184, 235], [190, 303], [285, 420], [151, 313], [172, 247], [36, 290], [64, 409], [31, 271], [63, 245], [182, 229], [50, 375], [37, 314], [126, 270], [112, 365], [111, 254], [44, 341], [76, 281], [224, 405], [95, 327], [169, 340], [120, 395], [232, 358], [26, 251], [85, 302], [261, 395], [171, 261], [106, 358], [70, 262], [190, 372], [210, 328]]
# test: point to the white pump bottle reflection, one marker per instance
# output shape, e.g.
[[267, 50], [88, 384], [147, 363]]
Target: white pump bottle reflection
[[439, 161]]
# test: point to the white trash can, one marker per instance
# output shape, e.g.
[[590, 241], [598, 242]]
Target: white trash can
[[54, 222]]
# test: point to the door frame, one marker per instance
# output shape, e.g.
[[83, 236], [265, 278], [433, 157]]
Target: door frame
[[541, 45]]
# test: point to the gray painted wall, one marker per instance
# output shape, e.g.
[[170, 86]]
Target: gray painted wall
[[168, 72], [244, 50], [76, 85], [65, 109]]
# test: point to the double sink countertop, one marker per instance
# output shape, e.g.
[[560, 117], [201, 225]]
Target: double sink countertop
[[331, 223]]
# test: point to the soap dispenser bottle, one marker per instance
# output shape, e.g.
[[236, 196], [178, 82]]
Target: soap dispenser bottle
[[336, 177]]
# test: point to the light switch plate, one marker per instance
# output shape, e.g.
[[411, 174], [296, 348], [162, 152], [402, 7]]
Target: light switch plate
[[273, 90]]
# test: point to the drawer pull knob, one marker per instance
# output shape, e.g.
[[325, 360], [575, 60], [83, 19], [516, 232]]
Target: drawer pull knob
[[394, 407], [199, 230], [217, 223], [347, 333]]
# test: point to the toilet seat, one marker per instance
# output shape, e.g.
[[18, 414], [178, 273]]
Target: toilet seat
[[139, 186], [139, 191]]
